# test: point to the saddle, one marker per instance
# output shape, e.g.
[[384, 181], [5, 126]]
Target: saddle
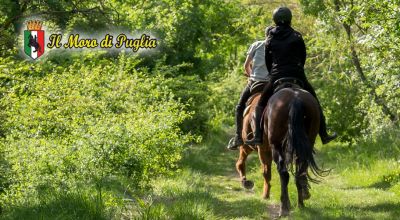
[[255, 89], [287, 82]]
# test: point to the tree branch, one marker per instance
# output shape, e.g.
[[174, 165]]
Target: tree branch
[[11, 20], [356, 61]]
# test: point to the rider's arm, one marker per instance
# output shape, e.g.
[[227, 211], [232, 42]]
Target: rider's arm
[[247, 65]]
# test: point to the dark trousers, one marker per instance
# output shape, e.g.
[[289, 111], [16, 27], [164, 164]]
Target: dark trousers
[[244, 96]]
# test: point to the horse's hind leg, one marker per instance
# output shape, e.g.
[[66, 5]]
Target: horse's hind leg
[[265, 156], [284, 177], [241, 167], [302, 183]]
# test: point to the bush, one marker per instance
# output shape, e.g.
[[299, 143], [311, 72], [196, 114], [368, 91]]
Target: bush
[[67, 127]]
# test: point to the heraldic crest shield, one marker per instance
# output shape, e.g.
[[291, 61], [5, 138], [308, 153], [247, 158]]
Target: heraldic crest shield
[[34, 39]]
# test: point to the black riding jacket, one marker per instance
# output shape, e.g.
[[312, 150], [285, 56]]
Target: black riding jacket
[[285, 53]]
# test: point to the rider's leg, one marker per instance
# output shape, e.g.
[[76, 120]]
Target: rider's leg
[[266, 94], [237, 140], [325, 137]]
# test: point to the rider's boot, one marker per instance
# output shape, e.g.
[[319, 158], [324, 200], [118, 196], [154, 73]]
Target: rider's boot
[[237, 141], [257, 139], [325, 137]]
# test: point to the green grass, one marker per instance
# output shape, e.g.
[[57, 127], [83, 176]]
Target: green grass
[[59, 206], [363, 184]]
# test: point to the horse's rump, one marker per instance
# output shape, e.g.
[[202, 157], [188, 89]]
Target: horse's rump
[[293, 123], [248, 119], [250, 102], [277, 113]]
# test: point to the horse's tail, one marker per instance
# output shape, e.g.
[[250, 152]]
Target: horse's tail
[[297, 140]]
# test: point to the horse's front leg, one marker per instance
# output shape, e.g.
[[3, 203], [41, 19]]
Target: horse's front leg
[[241, 167], [284, 178], [265, 156]]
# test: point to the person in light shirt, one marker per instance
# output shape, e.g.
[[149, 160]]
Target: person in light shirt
[[257, 71]]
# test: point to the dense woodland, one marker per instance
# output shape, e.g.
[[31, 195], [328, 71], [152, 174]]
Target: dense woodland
[[88, 133]]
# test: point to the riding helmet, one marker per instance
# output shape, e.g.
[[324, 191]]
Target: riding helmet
[[282, 15]]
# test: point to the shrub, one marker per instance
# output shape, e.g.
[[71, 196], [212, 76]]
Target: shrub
[[67, 127]]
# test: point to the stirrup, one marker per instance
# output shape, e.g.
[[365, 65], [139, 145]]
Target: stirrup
[[234, 143], [255, 141]]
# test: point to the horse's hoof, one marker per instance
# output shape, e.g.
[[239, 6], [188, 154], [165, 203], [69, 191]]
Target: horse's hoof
[[247, 184], [266, 196], [284, 212]]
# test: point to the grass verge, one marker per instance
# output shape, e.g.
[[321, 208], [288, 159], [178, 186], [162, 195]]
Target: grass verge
[[364, 184]]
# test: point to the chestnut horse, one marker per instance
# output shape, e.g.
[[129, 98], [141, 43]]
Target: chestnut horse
[[264, 151], [292, 124]]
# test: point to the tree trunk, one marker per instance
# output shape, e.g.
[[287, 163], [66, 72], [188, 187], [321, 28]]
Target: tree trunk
[[357, 64], [356, 61]]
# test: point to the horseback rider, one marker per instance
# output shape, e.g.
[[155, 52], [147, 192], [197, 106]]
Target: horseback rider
[[285, 56], [256, 70]]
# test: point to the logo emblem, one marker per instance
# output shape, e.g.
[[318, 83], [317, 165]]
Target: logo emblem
[[34, 39]]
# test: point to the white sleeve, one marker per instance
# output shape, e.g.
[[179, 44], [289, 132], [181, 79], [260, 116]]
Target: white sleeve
[[251, 50]]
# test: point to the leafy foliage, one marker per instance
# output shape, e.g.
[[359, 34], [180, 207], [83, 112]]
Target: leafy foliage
[[354, 47], [87, 122]]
